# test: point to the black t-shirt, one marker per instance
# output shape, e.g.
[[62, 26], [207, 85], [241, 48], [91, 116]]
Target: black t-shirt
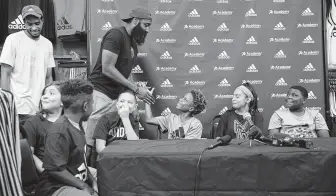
[[119, 42], [37, 128], [234, 125], [110, 127], [65, 150]]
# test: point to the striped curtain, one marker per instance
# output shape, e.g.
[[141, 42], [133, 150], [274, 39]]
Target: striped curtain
[[10, 155]]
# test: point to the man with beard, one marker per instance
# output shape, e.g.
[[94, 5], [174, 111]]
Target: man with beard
[[26, 63], [117, 57]]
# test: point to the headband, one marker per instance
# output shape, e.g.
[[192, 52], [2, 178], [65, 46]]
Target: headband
[[246, 91]]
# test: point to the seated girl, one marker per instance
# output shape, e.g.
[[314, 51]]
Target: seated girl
[[295, 120], [51, 108], [244, 114], [182, 125], [119, 125]]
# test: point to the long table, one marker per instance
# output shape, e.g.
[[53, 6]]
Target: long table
[[168, 167]]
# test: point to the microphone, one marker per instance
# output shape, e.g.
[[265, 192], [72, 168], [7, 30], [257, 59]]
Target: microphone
[[182, 134], [222, 141], [252, 128], [257, 135], [286, 140], [248, 118]]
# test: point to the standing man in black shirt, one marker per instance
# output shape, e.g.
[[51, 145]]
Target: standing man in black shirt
[[117, 57], [66, 172]]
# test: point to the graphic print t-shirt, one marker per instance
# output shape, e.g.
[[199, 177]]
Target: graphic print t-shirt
[[234, 125], [119, 42], [298, 127], [65, 150], [110, 127], [192, 128]]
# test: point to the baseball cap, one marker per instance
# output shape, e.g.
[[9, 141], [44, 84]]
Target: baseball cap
[[138, 13], [31, 10]]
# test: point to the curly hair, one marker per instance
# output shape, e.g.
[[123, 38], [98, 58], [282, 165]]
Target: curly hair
[[75, 93], [42, 112], [199, 102]]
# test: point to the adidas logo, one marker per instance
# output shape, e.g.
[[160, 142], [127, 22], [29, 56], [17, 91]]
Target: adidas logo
[[165, 112], [252, 68], [309, 67], [194, 42], [137, 69], [17, 23], [224, 83], [223, 55], [107, 26], [280, 55], [223, 27], [281, 82], [166, 84], [251, 40], [165, 1], [250, 13], [223, 110], [279, 27], [193, 14], [165, 27], [311, 95], [308, 40], [166, 55], [194, 69], [307, 12]]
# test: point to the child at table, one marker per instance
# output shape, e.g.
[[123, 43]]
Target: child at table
[[184, 125], [51, 108], [66, 172], [297, 121], [119, 125], [235, 122]]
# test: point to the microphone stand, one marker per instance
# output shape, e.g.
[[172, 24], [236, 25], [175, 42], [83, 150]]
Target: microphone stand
[[249, 120]]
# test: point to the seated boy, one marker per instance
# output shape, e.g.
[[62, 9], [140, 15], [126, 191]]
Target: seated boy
[[184, 125], [66, 172], [118, 125]]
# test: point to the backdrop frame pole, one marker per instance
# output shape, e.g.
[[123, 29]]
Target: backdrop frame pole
[[88, 36]]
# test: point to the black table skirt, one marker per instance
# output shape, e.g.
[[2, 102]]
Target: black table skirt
[[167, 167]]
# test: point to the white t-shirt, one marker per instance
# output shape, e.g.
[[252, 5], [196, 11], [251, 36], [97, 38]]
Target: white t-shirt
[[192, 128], [30, 60], [304, 126]]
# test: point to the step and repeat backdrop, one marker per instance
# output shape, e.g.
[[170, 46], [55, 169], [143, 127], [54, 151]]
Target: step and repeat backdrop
[[216, 45]]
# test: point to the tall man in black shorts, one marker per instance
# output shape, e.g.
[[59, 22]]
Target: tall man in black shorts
[[117, 57]]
